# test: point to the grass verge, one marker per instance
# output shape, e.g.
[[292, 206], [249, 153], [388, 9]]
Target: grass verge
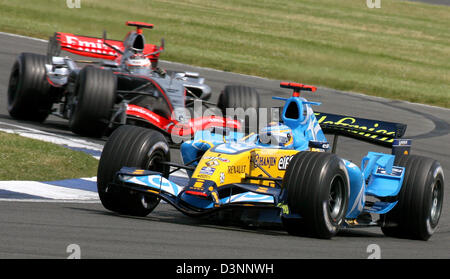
[[28, 159], [399, 51]]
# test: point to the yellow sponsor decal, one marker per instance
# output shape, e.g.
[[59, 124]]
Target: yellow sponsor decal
[[233, 168], [266, 161], [215, 197], [284, 208], [236, 169], [198, 184], [350, 123], [262, 189], [152, 191]]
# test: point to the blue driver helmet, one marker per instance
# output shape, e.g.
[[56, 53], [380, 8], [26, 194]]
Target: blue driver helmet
[[276, 134]]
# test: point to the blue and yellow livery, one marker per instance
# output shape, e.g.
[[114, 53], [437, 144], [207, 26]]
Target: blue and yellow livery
[[287, 171]]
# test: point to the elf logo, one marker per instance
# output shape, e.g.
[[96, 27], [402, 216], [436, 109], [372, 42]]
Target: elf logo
[[283, 163]]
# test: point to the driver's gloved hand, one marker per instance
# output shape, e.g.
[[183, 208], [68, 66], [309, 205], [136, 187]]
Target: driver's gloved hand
[[161, 71]]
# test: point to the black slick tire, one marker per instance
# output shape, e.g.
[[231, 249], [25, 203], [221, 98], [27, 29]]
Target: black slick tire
[[420, 200], [317, 188], [95, 94], [28, 90], [130, 146]]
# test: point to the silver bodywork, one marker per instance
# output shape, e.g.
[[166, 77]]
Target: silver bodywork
[[62, 73], [61, 68]]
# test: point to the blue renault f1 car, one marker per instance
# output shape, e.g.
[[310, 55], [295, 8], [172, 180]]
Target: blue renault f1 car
[[286, 171]]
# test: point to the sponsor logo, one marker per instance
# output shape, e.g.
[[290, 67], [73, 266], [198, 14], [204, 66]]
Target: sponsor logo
[[225, 160], [222, 178], [403, 142], [138, 172], [198, 185], [131, 109], [264, 161], [89, 46], [236, 169], [361, 124], [283, 163], [207, 170], [262, 189], [396, 171], [212, 163], [318, 144]]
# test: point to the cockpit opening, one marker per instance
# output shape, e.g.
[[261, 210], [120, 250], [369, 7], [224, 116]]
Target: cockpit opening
[[138, 43], [292, 111]]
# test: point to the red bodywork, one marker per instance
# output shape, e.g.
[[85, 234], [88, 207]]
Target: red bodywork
[[94, 47], [173, 127], [297, 87]]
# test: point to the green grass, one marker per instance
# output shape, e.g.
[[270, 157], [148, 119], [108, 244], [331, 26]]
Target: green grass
[[401, 51], [28, 159]]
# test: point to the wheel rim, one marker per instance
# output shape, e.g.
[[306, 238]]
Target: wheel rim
[[336, 198], [436, 202], [149, 203], [153, 161]]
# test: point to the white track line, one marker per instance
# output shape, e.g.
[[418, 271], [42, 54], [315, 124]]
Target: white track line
[[44, 190], [47, 191], [63, 190], [50, 137], [49, 201]]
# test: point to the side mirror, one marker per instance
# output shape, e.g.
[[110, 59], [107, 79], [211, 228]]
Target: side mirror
[[180, 75], [104, 35], [110, 46], [53, 49]]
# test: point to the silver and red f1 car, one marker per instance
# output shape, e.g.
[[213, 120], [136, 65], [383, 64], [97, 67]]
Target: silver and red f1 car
[[125, 86]]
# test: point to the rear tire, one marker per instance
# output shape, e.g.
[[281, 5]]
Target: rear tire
[[28, 90], [420, 200], [95, 94], [317, 189], [130, 146], [238, 96]]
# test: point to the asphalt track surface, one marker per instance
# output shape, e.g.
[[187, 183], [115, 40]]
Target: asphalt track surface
[[435, 2], [45, 229]]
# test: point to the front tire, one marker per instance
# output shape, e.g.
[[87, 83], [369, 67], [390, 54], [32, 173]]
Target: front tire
[[130, 146], [420, 200], [317, 189], [28, 90], [94, 98]]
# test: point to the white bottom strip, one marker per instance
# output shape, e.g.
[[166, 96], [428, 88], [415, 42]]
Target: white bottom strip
[[50, 201], [47, 191]]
